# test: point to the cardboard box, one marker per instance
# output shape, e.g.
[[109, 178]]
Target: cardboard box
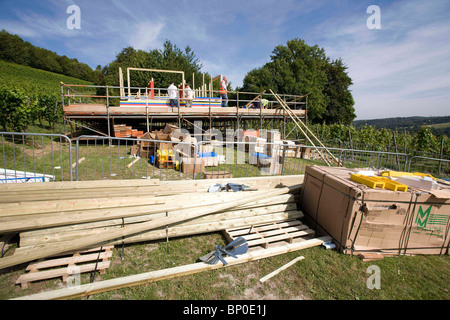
[[162, 136], [164, 146], [188, 165], [135, 149], [148, 136], [146, 152], [361, 219], [210, 161], [273, 135], [169, 128]]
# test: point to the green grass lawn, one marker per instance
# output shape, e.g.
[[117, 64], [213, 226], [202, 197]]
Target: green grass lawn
[[322, 275]]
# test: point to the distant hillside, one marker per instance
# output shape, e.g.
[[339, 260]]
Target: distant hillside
[[438, 125], [14, 49], [33, 81]]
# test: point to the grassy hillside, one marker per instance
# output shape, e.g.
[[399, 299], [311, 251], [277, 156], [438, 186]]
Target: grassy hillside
[[33, 81], [438, 125]]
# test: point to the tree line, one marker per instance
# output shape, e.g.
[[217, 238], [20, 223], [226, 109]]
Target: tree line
[[298, 68], [368, 137], [295, 68], [14, 49]]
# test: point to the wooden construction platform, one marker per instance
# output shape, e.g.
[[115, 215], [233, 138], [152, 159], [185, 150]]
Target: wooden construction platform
[[98, 111]]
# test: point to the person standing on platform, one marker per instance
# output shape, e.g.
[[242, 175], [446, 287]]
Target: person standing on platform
[[224, 92], [172, 91], [189, 96]]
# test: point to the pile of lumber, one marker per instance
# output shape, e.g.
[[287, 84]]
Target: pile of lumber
[[124, 131], [53, 218]]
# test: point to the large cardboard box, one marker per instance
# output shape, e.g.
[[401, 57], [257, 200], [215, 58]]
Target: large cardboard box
[[364, 219], [169, 128], [147, 152], [188, 165]]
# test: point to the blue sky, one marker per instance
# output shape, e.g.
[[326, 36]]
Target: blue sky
[[399, 70]]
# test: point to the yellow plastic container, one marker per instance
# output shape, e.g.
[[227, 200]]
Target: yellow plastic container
[[164, 155], [393, 185], [371, 182]]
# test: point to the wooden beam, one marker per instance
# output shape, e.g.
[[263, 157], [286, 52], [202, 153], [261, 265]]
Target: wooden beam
[[301, 129], [287, 265], [153, 276]]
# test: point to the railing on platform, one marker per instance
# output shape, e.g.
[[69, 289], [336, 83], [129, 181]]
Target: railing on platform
[[111, 94]]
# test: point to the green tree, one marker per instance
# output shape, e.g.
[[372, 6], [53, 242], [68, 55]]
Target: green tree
[[16, 110], [426, 141], [339, 108], [170, 57], [297, 69], [14, 49]]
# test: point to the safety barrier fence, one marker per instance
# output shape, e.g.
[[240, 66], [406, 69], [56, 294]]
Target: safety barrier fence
[[35, 157], [29, 157]]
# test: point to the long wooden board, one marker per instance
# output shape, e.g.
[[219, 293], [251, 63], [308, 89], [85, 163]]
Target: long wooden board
[[153, 276]]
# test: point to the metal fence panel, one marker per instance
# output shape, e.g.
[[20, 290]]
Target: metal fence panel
[[101, 157], [437, 167], [48, 157], [34, 157]]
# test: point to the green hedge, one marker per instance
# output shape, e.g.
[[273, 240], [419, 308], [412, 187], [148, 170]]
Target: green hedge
[[18, 110]]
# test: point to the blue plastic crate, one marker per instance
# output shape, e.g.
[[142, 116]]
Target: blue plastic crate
[[207, 154], [260, 155]]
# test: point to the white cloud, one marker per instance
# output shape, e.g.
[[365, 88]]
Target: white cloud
[[401, 69], [39, 26], [146, 36]]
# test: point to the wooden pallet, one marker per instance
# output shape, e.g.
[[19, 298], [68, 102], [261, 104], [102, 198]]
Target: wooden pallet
[[63, 265], [272, 234]]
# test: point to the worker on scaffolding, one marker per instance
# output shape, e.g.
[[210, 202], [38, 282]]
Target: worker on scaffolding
[[265, 103], [189, 96], [224, 92], [172, 91]]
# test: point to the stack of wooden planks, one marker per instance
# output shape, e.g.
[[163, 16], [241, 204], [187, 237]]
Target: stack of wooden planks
[[52, 218]]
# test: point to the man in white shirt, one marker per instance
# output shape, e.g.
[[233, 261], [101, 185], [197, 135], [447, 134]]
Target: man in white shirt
[[189, 96], [172, 91]]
